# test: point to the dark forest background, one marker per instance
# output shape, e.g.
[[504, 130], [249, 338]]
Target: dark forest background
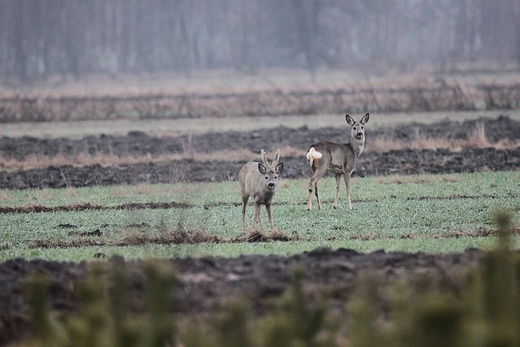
[[39, 38]]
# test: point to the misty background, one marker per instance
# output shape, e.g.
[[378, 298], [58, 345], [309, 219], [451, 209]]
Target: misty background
[[75, 37]]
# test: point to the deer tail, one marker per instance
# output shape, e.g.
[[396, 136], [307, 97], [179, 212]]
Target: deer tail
[[312, 154]]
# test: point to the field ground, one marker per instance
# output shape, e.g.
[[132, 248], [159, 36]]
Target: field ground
[[425, 205], [176, 127], [430, 213]]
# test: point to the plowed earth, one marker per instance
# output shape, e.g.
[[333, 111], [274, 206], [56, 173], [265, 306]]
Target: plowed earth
[[205, 284], [137, 144]]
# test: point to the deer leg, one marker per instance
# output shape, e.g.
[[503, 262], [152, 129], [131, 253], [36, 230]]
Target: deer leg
[[317, 195], [244, 204], [309, 196], [257, 216], [269, 215], [347, 185], [313, 184], [336, 198]]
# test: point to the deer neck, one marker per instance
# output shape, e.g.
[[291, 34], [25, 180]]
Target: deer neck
[[357, 146]]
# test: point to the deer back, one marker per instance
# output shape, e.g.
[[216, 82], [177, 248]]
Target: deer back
[[333, 156]]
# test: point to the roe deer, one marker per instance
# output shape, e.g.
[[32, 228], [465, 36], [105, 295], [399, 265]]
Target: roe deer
[[258, 180], [338, 158]]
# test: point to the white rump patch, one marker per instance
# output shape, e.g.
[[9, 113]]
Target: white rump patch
[[314, 154]]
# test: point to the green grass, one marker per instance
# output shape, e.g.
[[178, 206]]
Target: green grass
[[405, 213]]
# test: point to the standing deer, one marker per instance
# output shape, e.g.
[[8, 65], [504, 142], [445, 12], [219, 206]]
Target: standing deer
[[258, 180], [338, 158]]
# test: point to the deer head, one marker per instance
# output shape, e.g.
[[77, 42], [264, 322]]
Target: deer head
[[270, 171], [357, 128]]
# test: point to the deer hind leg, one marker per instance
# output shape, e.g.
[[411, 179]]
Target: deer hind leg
[[309, 196], [269, 215], [347, 185], [317, 195], [313, 184]]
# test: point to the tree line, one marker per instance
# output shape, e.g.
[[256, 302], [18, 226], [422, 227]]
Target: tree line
[[75, 37]]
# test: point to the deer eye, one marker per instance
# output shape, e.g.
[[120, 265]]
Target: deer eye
[[354, 128], [275, 177], [265, 177]]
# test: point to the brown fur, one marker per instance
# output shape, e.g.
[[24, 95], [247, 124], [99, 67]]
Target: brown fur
[[258, 180], [338, 158]]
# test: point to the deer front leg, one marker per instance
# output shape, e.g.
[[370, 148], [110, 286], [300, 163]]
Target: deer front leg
[[338, 176], [244, 204], [257, 217], [347, 185], [269, 215]]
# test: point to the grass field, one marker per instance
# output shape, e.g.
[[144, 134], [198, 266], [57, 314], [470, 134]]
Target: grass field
[[430, 213]]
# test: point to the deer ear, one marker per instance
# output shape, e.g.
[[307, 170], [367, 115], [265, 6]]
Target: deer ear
[[365, 118], [279, 168], [350, 120], [262, 168]]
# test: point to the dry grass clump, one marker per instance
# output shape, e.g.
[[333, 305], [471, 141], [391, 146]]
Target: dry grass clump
[[449, 178], [90, 239], [34, 161], [487, 231], [169, 238], [61, 243], [4, 195], [363, 237], [29, 208], [476, 139], [419, 179], [483, 231], [177, 237]]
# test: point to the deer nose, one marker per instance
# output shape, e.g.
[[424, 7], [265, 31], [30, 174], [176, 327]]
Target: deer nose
[[271, 184]]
